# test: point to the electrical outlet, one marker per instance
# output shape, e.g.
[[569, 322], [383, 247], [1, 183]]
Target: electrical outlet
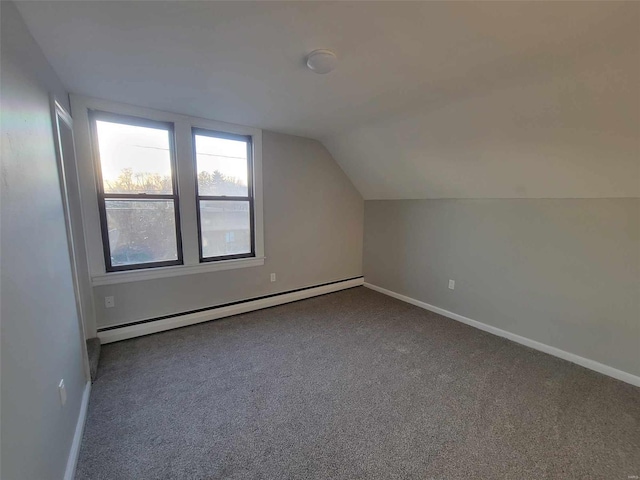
[[452, 284], [109, 302], [273, 277], [62, 390]]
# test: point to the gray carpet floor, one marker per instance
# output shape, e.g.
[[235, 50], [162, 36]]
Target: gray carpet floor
[[351, 385]]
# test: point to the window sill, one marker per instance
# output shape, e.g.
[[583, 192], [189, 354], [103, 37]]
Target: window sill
[[164, 272]]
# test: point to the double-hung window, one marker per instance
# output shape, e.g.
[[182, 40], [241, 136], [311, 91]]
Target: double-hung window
[[166, 194], [224, 193], [137, 191]]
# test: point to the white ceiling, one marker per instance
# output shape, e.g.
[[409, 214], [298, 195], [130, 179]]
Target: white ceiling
[[429, 100]]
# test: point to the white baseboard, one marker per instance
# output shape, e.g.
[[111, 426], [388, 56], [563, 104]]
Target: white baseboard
[[72, 460], [556, 352], [138, 330]]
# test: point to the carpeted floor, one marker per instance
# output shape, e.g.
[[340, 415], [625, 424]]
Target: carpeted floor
[[351, 385]]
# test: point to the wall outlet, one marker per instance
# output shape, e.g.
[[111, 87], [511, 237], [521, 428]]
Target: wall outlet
[[273, 277], [109, 302], [62, 390], [452, 284]]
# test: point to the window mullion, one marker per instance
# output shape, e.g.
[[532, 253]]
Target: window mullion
[[224, 198], [186, 178], [133, 196]]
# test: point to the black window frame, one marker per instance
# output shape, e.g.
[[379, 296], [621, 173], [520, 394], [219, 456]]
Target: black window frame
[[248, 139], [94, 117]]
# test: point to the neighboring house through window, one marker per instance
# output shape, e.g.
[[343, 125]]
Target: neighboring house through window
[[224, 195]]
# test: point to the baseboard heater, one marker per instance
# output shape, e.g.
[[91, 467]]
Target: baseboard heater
[[139, 328]]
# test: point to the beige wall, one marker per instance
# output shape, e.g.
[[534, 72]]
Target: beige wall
[[313, 220], [41, 335], [564, 272]]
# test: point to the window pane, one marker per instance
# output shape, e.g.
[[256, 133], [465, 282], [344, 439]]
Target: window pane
[[222, 166], [134, 159], [225, 228], [141, 231]]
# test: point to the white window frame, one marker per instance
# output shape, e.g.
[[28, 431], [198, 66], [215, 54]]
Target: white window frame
[[186, 175]]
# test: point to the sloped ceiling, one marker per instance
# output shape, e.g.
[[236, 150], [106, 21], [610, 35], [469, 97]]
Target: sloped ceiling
[[430, 100]]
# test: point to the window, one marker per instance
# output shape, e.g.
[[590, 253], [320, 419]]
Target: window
[[164, 194], [137, 191], [224, 192]]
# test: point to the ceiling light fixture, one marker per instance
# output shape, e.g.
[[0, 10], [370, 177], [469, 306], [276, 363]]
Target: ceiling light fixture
[[322, 61]]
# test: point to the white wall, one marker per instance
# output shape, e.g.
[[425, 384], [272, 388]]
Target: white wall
[[41, 335]]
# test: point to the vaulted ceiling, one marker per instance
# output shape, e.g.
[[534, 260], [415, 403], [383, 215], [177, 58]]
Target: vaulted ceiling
[[429, 100]]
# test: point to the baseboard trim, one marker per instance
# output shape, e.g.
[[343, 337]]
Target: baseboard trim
[[556, 352], [72, 460], [177, 321]]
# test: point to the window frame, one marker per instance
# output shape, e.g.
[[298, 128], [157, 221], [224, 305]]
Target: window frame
[[96, 115], [86, 178], [248, 139]]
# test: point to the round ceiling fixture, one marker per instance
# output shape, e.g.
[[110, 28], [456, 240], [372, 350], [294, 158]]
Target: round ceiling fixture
[[322, 61]]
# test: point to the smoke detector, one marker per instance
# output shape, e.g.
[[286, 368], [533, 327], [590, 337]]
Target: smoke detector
[[322, 61]]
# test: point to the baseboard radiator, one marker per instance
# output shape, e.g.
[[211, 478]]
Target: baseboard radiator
[[116, 333]]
